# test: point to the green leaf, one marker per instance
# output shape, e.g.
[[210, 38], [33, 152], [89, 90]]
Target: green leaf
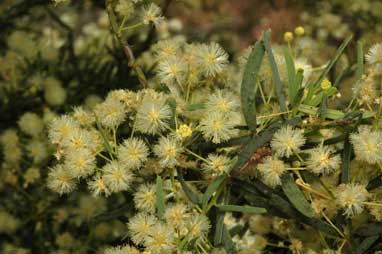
[[248, 85], [219, 224], [292, 84], [347, 72], [235, 141], [370, 229], [374, 183], [262, 188], [244, 187], [286, 208], [330, 113], [192, 196], [278, 206], [300, 91], [160, 199], [331, 91], [359, 71], [229, 245], [105, 140], [236, 230], [283, 205], [195, 106], [333, 61], [211, 189], [316, 100], [295, 196], [275, 73], [258, 141], [242, 209], [319, 97], [219, 229], [323, 107], [171, 102], [254, 143], [345, 175], [110, 215], [366, 244], [259, 195], [249, 148]]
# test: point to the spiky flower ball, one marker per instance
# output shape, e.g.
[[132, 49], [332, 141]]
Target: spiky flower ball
[[287, 141], [198, 226], [222, 101], [61, 180], [160, 239], [55, 94], [172, 70], [117, 177], [133, 153], [184, 131], [218, 127], [145, 198], [110, 113], [80, 163], [152, 14], [140, 227], [271, 171], [351, 198], [152, 116], [167, 150], [213, 59], [367, 144], [97, 186], [322, 160], [61, 127], [218, 164], [177, 215], [374, 56], [31, 124], [37, 150]]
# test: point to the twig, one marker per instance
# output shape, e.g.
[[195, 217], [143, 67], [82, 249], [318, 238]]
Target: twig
[[124, 43]]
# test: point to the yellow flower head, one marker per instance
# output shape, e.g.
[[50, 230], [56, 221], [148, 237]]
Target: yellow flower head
[[326, 84], [299, 31], [288, 36], [184, 131]]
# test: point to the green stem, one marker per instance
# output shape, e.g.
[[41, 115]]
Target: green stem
[[372, 203], [122, 24], [126, 47], [262, 93], [299, 157], [295, 168], [327, 189], [104, 157], [133, 130], [196, 155], [115, 138], [188, 91], [132, 26], [214, 199], [333, 226]]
